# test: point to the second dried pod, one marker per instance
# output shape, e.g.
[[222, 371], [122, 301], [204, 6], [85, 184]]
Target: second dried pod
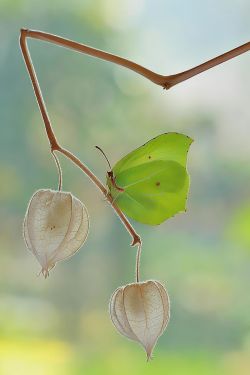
[[141, 312]]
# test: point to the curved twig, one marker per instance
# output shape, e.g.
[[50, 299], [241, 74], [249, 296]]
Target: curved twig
[[55, 146], [166, 81], [162, 80]]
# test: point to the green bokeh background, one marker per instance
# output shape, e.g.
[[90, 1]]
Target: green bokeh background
[[61, 325]]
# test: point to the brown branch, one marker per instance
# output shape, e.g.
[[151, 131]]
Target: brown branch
[[180, 77], [37, 90], [56, 147], [162, 80], [82, 48]]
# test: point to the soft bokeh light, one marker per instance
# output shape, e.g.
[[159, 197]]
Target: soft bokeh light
[[61, 325]]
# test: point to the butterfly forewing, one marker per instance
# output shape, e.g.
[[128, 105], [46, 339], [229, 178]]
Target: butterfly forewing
[[167, 146]]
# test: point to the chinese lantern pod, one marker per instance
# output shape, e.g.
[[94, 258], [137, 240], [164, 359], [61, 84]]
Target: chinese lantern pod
[[141, 312], [56, 225]]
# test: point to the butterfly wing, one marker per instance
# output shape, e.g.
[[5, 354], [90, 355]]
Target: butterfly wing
[[154, 179], [167, 146]]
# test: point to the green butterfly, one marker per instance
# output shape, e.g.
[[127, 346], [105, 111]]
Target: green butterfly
[[151, 183]]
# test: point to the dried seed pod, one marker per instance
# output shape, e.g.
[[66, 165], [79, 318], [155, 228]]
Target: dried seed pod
[[141, 312], [56, 225]]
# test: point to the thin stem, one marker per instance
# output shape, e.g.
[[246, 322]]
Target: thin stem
[[136, 238], [82, 48], [55, 145], [59, 170], [38, 93], [166, 81], [137, 263], [183, 76]]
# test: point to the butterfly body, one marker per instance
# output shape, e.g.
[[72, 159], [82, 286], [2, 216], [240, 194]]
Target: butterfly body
[[111, 177]]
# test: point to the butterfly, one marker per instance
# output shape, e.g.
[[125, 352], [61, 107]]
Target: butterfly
[[151, 183]]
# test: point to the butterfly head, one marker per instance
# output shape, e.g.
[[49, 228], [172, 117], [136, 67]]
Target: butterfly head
[[112, 178], [110, 173]]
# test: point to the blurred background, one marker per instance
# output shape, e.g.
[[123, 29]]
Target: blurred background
[[61, 325]]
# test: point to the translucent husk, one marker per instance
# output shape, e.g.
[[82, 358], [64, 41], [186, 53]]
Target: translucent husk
[[141, 312], [56, 225]]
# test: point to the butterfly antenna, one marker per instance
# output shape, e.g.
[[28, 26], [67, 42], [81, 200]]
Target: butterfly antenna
[[99, 148]]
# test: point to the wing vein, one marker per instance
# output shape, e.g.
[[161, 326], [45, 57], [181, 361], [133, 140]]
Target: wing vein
[[143, 179]]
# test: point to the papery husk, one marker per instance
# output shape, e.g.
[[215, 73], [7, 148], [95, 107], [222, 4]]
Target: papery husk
[[56, 225], [141, 312]]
